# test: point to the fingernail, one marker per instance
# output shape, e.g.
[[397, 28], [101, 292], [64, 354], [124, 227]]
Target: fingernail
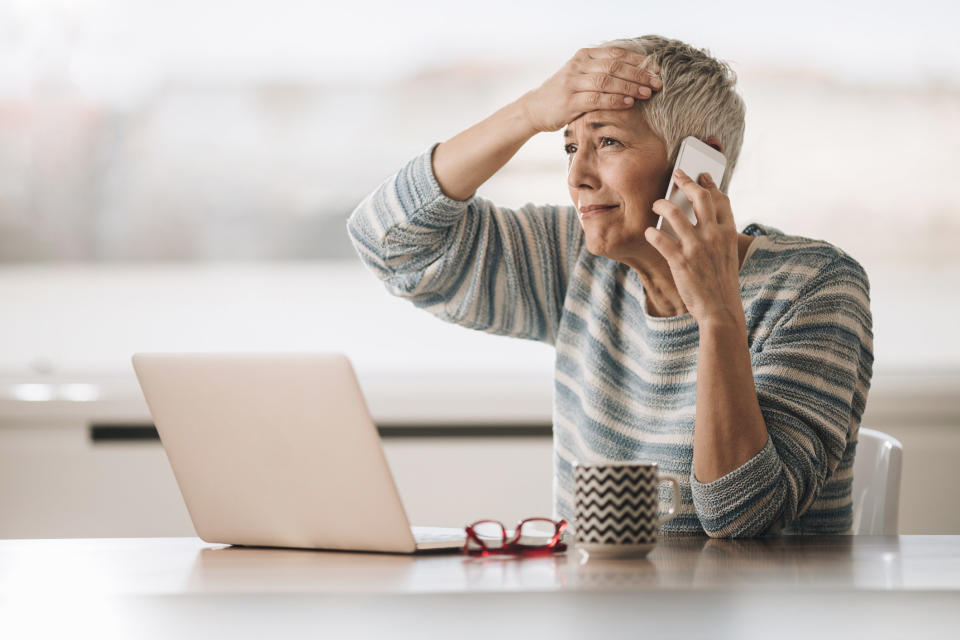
[[679, 174], [706, 179]]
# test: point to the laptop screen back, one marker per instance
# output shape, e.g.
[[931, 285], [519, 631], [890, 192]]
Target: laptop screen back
[[275, 450]]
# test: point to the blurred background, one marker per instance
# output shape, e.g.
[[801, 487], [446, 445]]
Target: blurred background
[[178, 175]]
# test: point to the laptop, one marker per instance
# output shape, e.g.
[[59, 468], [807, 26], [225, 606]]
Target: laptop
[[279, 450]]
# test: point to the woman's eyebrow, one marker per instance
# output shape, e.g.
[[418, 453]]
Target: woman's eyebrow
[[592, 125]]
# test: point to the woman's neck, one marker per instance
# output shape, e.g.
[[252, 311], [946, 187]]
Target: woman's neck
[[663, 298]]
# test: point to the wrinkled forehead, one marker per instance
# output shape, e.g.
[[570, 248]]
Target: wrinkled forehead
[[628, 120]]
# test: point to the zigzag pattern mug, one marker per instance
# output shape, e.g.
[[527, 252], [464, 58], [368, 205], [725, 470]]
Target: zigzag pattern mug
[[616, 507]]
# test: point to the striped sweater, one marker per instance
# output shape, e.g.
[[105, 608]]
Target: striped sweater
[[625, 382]]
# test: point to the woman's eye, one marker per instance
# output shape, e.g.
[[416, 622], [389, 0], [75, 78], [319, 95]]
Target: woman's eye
[[604, 142]]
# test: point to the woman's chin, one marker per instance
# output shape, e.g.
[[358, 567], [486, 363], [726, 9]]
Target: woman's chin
[[609, 238], [613, 248], [597, 250]]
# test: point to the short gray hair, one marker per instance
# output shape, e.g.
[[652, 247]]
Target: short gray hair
[[698, 97]]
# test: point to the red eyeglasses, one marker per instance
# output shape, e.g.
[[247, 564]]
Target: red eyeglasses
[[533, 536]]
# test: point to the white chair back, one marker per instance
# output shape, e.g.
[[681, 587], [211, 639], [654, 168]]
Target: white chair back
[[876, 483]]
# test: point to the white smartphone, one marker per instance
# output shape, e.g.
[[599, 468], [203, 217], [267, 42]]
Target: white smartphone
[[695, 157]]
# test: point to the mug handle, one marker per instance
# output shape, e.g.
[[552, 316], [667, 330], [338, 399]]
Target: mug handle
[[670, 515]]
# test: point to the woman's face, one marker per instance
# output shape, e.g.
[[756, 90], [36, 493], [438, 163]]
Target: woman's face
[[616, 161]]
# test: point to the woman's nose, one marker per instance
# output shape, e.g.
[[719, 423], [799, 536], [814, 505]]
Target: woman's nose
[[582, 171]]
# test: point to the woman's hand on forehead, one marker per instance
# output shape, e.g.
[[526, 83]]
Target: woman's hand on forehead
[[640, 63], [593, 79]]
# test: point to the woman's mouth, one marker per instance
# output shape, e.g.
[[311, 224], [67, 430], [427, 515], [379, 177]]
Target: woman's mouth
[[595, 209]]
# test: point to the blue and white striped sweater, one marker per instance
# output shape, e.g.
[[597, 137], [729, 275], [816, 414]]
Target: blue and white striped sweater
[[625, 382]]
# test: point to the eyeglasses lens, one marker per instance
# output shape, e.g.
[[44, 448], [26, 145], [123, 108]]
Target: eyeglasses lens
[[490, 533], [537, 533]]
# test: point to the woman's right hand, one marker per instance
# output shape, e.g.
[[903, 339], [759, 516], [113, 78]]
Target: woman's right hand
[[593, 79], [603, 78]]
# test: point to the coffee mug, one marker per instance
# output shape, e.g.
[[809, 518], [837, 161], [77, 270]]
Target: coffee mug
[[616, 507]]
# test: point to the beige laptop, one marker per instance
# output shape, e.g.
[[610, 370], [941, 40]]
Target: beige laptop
[[279, 450]]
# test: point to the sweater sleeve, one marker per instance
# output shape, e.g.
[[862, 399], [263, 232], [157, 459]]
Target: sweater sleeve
[[811, 376], [469, 262]]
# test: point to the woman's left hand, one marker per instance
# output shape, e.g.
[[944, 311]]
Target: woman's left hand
[[705, 259]]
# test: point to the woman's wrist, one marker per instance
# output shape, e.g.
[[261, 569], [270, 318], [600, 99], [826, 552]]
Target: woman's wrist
[[725, 323], [522, 108]]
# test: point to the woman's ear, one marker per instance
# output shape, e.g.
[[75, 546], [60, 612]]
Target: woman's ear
[[714, 142]]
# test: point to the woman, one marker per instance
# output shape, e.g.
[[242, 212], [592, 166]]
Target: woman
[[739, 362]]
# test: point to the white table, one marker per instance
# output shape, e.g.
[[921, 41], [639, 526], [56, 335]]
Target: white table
[[871, 587]]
